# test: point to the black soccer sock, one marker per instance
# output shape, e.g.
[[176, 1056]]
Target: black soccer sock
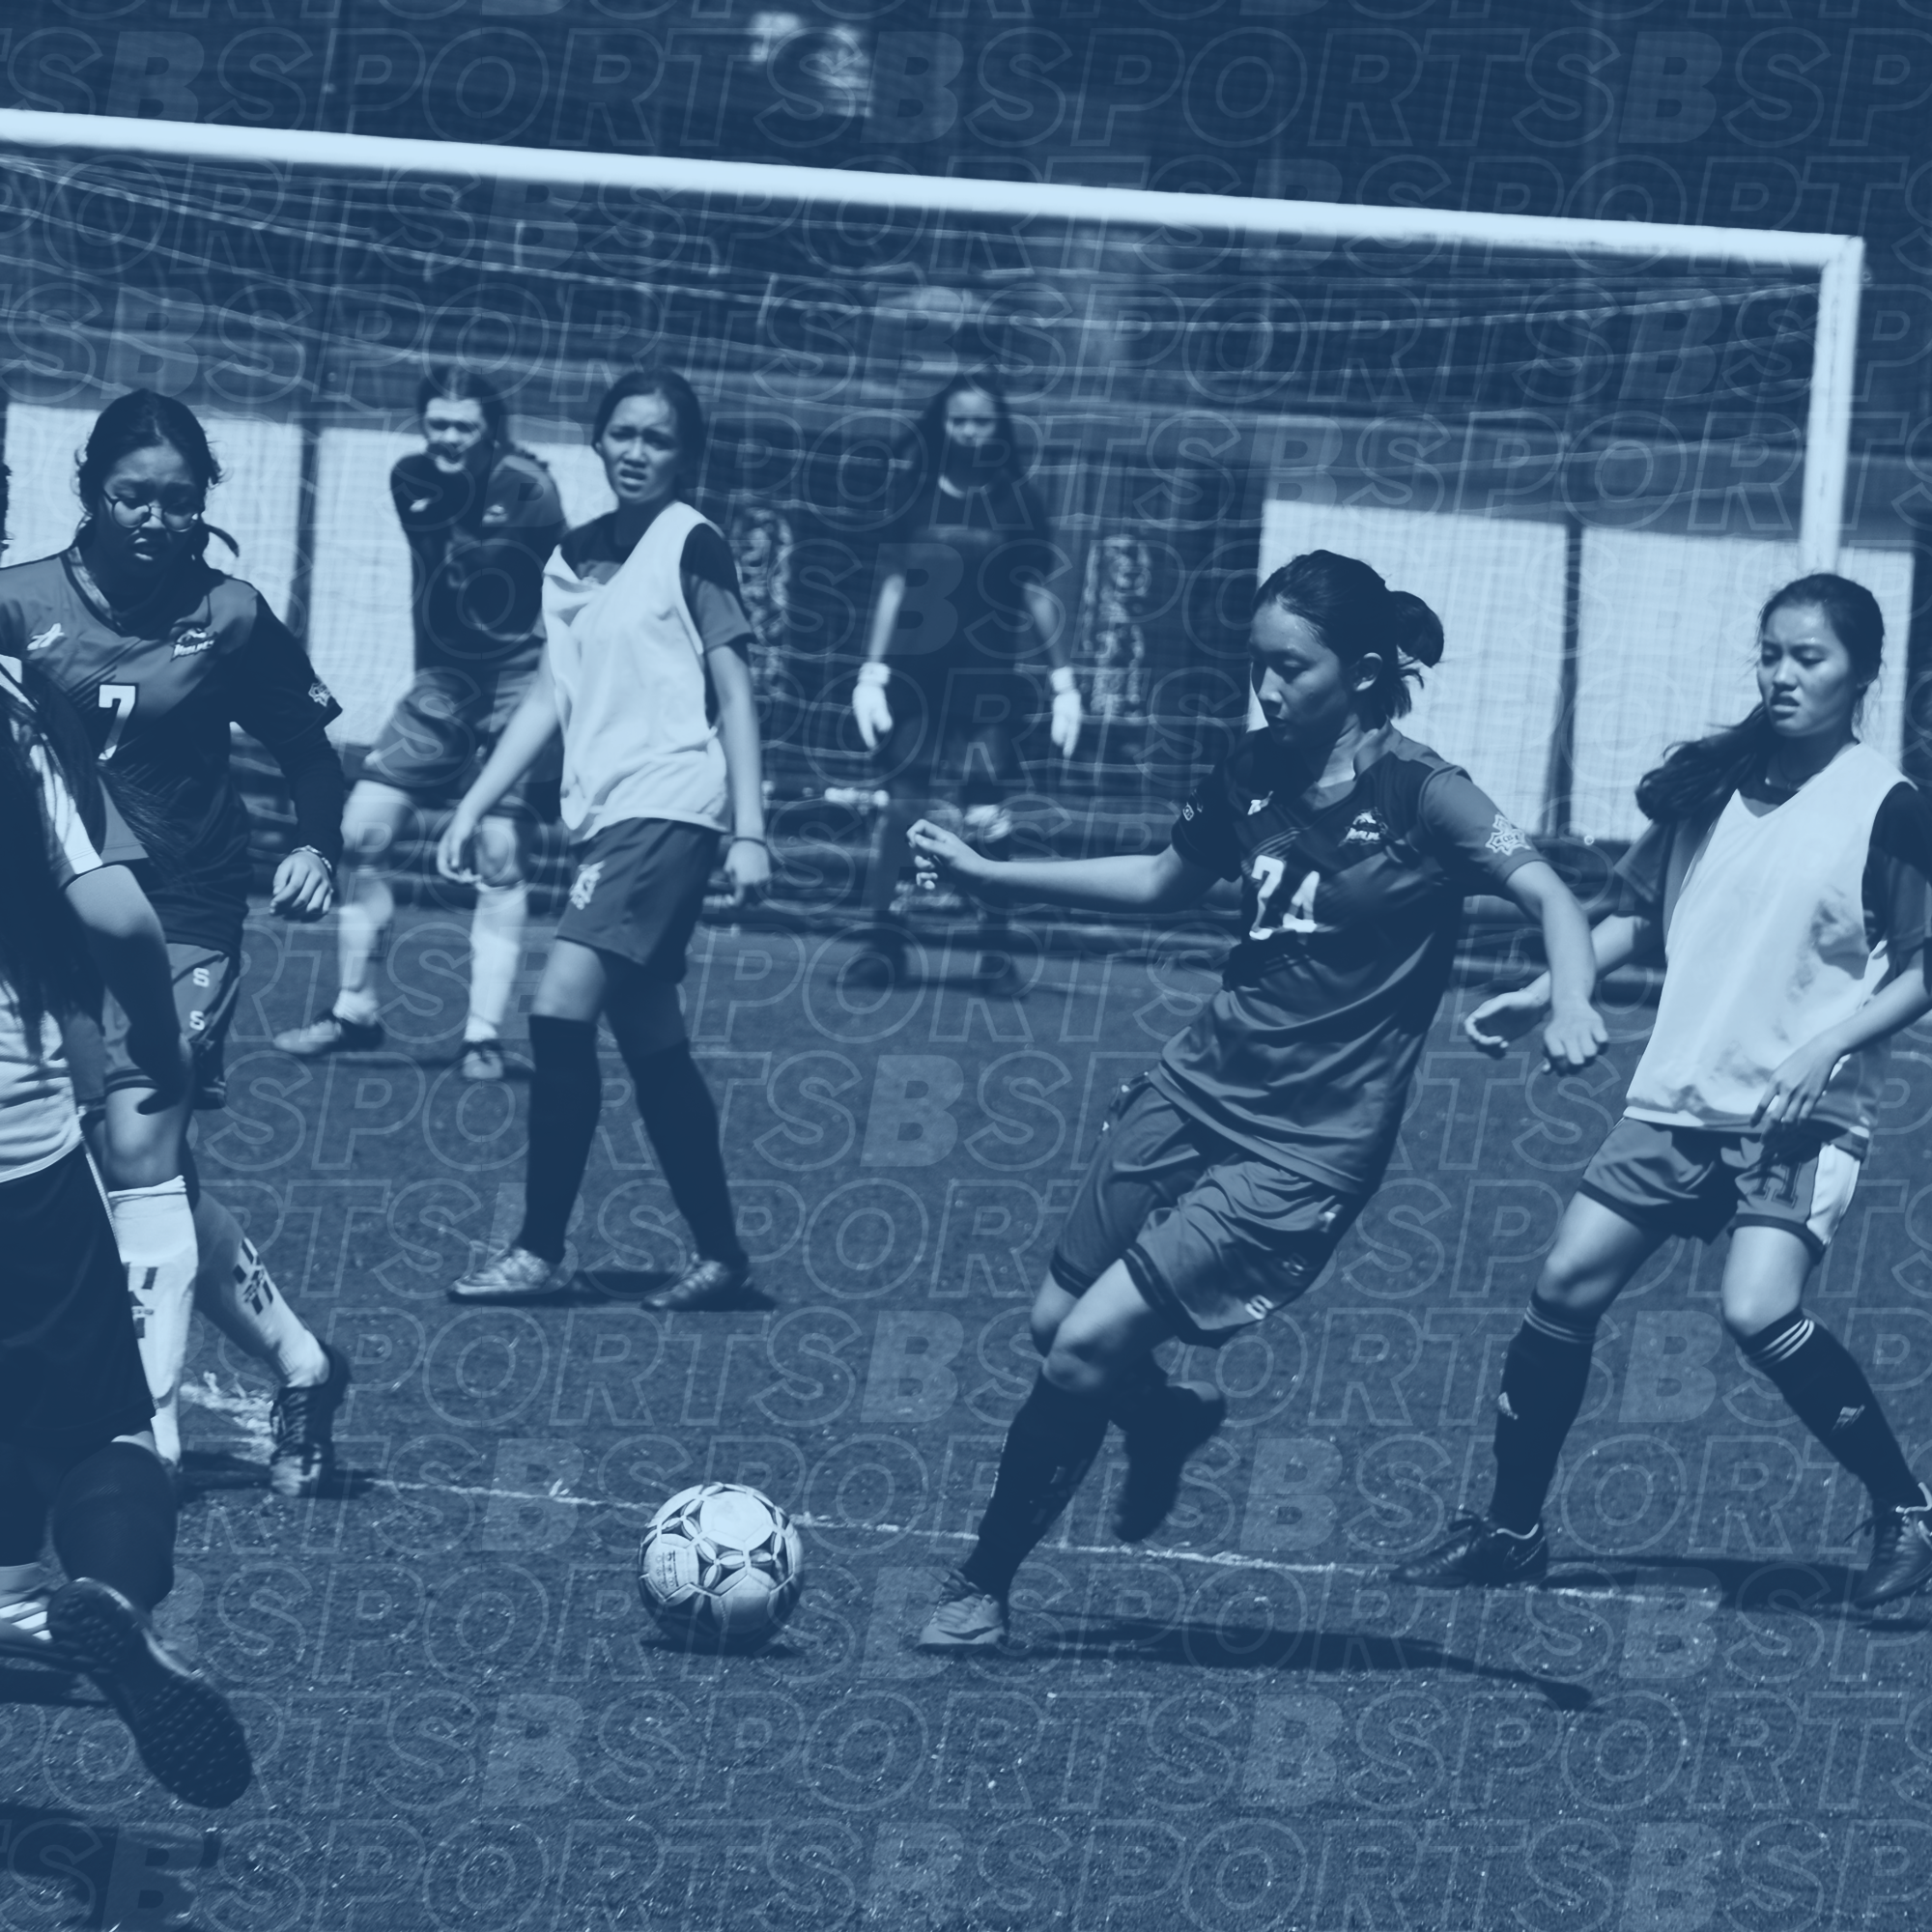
[[1545, 1374], [682, 1121], [114, 1520], [567, 1097], [1829, 1393], [1048, 1451], [1136, 1393]]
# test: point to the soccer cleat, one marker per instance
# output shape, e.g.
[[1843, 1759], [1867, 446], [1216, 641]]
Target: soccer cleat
[[1180, 1419], [182, 1724], [482, 1059], [704, 1284], [514, 1275], [1901, 1558], [330, 1032], [302, 1421], [966, 1617], [1478, 1552]]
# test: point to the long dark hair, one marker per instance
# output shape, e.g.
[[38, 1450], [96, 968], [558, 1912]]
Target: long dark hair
[[1696, 777], [677, 395], [143, 419], [42, 958], [1358, 616], [927, 441]]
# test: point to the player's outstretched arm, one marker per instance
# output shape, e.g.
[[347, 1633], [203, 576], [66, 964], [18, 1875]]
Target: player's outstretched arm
[[125, 937], [1797, 1086], [1504, 1017], [1573, 1035], [1130, 882], [747, 858], [531, 727]]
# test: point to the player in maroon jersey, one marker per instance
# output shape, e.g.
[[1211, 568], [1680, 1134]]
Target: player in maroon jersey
[[160, 653], [481, 518], [1230, 1171]]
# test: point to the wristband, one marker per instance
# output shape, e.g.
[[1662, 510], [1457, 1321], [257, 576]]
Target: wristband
[[1061, 678], [322, 857], [875, 671], [749, 838]]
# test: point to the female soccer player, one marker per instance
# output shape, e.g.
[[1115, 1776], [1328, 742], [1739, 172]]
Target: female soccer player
[[964, 570], [1782, 880], [646, 672], [482, 517], [76, 1451], [1230, 1172], [158, 651]]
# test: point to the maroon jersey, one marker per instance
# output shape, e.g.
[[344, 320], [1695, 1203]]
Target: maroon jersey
[[158, 702], [1352, 903]]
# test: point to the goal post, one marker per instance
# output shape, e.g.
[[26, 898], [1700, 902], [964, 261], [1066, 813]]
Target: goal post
[[1581, 440]]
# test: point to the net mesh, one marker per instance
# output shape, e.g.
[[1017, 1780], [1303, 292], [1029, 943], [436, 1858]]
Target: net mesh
[[1589, 468]]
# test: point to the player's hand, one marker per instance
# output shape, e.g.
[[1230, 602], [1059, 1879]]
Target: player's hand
[[747, 865], [1503, 1018], [870, 710], [1797, 1086], [1573, 1039], [939, 854], [1064, 729], [456, 849], [304, 888], [169, 1066]]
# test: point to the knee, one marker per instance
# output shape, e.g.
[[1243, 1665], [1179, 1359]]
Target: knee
[[498, 856], [1077, 1365], [1748, 1316]]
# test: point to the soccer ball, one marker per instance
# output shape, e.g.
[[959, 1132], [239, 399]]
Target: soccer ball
[[720, 1567]]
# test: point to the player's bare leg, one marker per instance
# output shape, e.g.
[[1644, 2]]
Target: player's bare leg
[[372, 823], [496, 944]]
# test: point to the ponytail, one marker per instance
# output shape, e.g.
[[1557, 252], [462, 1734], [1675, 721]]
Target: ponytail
[[1359, 616]]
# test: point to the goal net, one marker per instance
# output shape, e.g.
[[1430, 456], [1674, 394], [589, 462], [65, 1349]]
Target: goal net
[[1593, 447]]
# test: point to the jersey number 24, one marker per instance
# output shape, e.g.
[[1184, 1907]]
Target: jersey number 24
[[1298, 916]]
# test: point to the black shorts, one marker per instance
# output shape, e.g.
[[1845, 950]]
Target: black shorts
[[1701, 1182], [639, 889], [207, 987], [443, 731], [1215, 1238], [71, 1376]]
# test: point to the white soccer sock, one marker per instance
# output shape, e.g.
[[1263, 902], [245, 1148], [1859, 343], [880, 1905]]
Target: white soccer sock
[[365, 914], [235, 1292], [496, 956], [154, 1228]]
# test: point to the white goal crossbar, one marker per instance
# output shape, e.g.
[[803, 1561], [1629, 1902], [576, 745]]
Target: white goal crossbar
[[1837, 259]]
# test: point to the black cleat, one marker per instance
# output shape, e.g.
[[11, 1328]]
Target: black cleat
[[704, 1284], [303, 1423], [330, 1032], [1478, 1553], [1181, 1418], [1901, 1558], [182, 1724]]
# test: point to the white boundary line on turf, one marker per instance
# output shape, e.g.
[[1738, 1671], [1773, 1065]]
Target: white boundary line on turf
[[1217, 1559], [1839, 259]]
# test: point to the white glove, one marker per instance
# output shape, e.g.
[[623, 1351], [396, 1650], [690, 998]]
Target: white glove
[[1065, 730], [869, 709]]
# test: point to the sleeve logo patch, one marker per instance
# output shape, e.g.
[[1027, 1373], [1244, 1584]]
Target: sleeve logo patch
[[192, 641], [1506, 838], [1366, 828], [320, 694]]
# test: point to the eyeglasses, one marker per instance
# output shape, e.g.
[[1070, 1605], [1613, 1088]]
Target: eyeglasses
[[177, 513]]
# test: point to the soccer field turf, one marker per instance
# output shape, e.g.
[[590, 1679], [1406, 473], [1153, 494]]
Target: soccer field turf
[[462, 1716]]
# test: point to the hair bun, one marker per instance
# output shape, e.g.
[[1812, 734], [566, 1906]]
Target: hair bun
[[1415, 629]]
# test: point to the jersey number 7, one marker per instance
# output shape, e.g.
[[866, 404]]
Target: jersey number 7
[[117, 698], [1269, 871]]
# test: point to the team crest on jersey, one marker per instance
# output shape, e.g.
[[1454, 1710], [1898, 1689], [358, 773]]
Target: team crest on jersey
[[1506, 838], [1366, 828], [586, 884], [195, 638], [46, 639], [320, 694]]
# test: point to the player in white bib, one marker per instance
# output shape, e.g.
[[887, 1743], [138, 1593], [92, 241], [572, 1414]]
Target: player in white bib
[[1785, 881], [647, 674]]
